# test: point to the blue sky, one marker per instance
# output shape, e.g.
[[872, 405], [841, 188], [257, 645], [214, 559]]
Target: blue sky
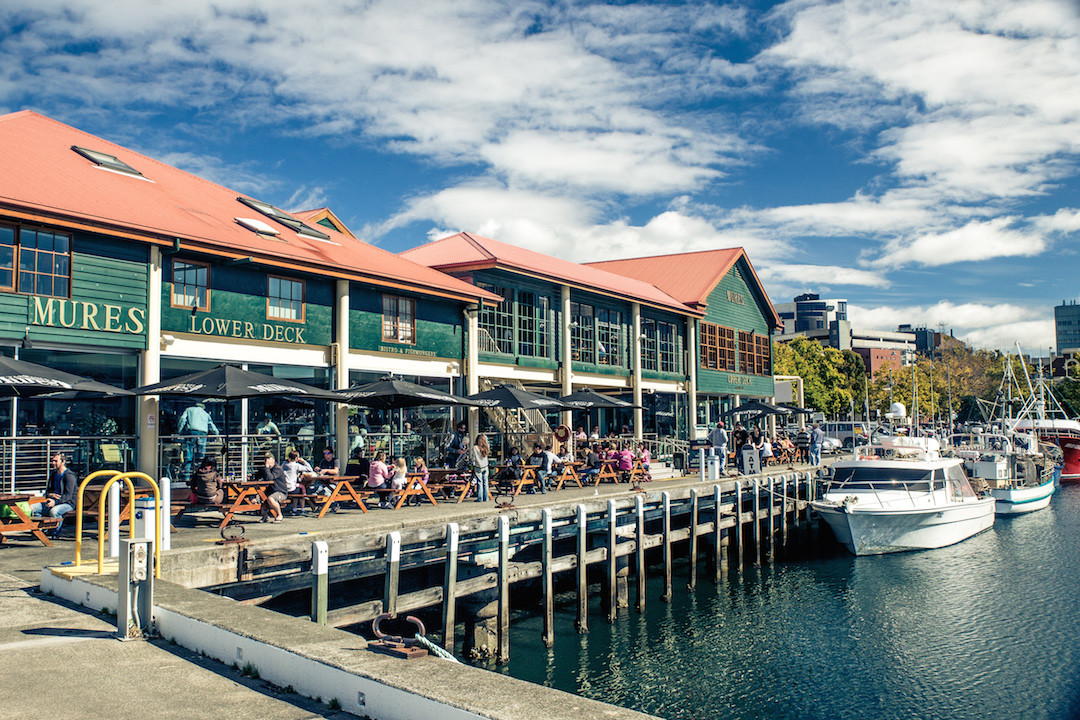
[[919, 158]]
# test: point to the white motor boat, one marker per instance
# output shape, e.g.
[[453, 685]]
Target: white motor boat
[[1019, 477], [901, 494]]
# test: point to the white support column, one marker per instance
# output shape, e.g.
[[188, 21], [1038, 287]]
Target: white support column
[[691, 367], [340, 359], [565, 356], [472, 363], [635, 361], [150, 371]]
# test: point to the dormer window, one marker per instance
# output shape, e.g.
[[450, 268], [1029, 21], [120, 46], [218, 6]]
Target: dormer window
[[107, 161], [284, 218]]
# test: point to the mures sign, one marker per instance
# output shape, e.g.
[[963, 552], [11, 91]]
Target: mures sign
[[83, 315]]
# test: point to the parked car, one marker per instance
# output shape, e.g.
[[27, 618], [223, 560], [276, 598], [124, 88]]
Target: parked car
[[831, 445], [847, 432]]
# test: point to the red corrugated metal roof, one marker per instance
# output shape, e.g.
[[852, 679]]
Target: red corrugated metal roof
[[466, 251], [42, 178], [689, 277]]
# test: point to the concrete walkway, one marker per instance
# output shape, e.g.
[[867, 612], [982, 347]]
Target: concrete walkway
[[56, 658]]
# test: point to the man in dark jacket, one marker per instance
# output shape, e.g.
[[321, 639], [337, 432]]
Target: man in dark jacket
[[60, 495], [207, 485], [279, 494]]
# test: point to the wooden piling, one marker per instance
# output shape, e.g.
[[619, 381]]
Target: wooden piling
[[320, 573], [450, 586], [783, 511], [582, 572], [718, 538], [393, 570], [666, 597], [693, 538], [549, 584], [756, 533], [770, 497], [504, 589], [612, 564], [738, 525], [639, 517]]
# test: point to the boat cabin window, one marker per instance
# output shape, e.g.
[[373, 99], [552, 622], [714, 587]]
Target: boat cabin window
[[878, 478], [959, 487]]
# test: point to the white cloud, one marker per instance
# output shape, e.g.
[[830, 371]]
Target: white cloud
[[973, 242], [816, 276]]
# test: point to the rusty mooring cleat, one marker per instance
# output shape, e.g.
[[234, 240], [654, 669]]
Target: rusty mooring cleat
[[397, 645]]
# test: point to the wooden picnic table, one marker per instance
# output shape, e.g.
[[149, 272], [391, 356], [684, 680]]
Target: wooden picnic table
[[22, 522], [239, 497], [609, 470], [448, 482], [344, 491], [528, 478], [568, 471], [415, 485]]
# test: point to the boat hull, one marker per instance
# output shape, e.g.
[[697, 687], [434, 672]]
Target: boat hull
[[877, 531], [1017, 501]]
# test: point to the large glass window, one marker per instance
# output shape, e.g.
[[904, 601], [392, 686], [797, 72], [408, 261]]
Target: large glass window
[[191, 285], [35, 261], [649, 360], [717, 347], [399, 319], [609, 333], [285, 299], [667, 347], [582, 333], [754, 353], [532, 316], [497, 322]]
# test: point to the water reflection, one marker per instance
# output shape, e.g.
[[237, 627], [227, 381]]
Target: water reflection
[[983, 629]]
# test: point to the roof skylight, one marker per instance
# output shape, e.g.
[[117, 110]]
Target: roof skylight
[[257, 226], [105, 160], [284, 218]]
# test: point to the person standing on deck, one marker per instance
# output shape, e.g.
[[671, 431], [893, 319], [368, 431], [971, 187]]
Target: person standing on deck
[[718, 438], [817, 438]]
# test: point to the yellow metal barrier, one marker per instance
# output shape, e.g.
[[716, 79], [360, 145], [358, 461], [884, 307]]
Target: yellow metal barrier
[[79, 509], [126, 477]]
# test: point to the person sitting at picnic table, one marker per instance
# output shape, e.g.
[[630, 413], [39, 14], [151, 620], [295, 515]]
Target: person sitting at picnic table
[[329, 465], [279, 494], [419, 468], [398, 477], [643, 455], [60, 495], [294, 467], [766, 451], [544, 467], [594, 436], [379, 476], [207, 484], [512, 471], [592, 460], [581, 435], [626, 458]]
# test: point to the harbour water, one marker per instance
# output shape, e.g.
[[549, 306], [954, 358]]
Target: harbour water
[[988, 628]]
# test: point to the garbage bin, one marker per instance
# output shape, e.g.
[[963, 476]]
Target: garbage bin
[[144, 512], [678, 460], [713, 467]]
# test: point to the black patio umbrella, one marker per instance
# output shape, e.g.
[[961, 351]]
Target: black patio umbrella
[[587, 399], [796, 410], [391, 393], [19, 378], [228, 382], [759, 408]]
